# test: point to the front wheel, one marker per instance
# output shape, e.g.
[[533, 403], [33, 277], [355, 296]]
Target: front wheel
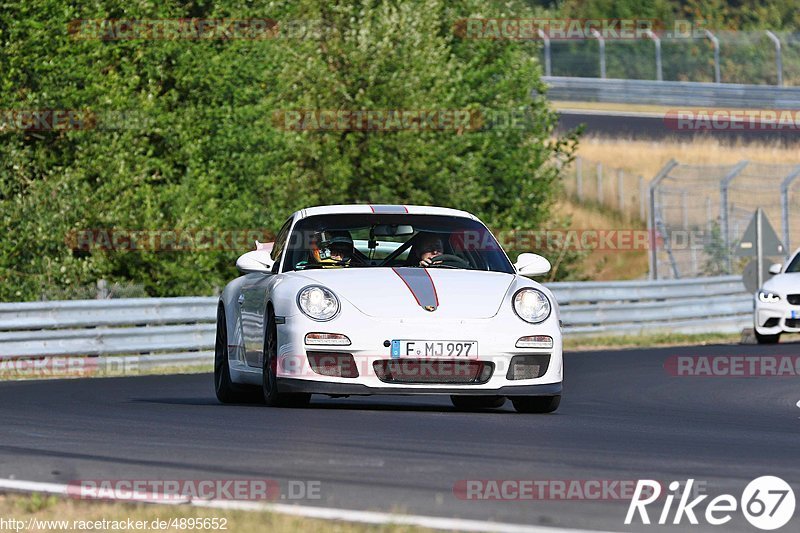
[[269, 382], [536, 404], [472, 403], [767, 339]]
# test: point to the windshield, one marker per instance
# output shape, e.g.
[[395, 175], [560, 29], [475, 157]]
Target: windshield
[[794, 266], [393, 240]]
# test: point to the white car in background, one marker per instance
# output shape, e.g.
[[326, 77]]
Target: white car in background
[[341, 305], [777, 303]]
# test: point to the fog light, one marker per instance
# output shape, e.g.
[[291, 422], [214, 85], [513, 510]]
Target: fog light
[[330, 339], [535, 341]]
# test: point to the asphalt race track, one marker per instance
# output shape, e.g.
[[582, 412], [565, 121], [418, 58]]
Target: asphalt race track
[[623, 418], [651, 126]]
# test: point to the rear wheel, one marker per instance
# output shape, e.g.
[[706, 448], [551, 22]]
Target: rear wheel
[[471, 403], [536, 404], [227, 391], [269, 384], [767, 339]]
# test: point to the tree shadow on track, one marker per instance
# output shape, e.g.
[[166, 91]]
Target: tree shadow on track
[[321, 402]]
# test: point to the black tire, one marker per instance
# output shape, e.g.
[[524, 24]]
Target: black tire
[[767, 339], [536, 404], [269, 382], [226, 390], [473, 403]]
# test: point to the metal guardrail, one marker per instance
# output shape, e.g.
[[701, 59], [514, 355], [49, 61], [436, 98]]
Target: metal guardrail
[[694, 305], [160, 331], [672, 93]]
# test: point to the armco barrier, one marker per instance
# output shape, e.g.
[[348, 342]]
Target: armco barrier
[[179, 330], [672, 93]]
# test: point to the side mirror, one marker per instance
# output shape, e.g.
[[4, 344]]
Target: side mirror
[[775, 268], [532, 265], [258, 260]]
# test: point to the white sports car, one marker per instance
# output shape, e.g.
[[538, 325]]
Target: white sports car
[[777, 303], [388, 299]]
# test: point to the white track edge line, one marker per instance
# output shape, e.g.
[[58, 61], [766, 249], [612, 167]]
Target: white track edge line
[[324, 513]]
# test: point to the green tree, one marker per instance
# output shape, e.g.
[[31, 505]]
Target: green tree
[[198, 147]]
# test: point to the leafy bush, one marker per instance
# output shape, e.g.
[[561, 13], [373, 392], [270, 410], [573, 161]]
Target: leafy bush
[[196, 147]]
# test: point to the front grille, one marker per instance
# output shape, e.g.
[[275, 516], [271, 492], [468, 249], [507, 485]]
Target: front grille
[[793, 322], [793, 299], [433, 371], [527, 366], [333, 364]]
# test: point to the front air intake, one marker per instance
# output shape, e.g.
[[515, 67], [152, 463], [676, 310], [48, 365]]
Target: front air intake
[[528, 367], [433, 371], [333, 364]]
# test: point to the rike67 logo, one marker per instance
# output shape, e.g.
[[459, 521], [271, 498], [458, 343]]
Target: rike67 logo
[[767, 502]]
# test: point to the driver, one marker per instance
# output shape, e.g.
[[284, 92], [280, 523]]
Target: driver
[[429, 247], [331, 248]]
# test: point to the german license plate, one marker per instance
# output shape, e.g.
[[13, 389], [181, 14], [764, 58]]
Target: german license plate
[[435, 349]]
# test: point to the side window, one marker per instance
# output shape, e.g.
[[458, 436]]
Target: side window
[[280, 243]]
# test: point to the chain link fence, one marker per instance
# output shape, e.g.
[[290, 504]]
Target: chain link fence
[[591, 182], [758, 57], [697, 214], [700, 214]]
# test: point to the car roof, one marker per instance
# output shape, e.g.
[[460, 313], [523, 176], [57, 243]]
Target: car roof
[[381, 208]]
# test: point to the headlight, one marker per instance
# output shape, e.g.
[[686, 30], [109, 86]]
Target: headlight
[[531, 305], [318, 303], [768, 297]]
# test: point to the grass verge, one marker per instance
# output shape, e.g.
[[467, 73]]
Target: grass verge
[[577, 343], [601, 264], [17, 371], [61, 512]]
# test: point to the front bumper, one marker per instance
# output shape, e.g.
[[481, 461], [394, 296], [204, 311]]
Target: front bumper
[[496, 339], [774, 318], [291, 385]]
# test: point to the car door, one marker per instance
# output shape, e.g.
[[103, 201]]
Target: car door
[[252, 302]]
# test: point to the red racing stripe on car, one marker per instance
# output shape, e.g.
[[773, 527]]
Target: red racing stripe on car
[[420, 283], [389, 209]]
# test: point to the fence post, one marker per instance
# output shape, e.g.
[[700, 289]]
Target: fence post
[[778, 58], [642, 197], [723, 208], [715, 42], [787, 182], [600, 183], [102, 289], [601, 42], [651, 221], [657, 42], [621, 190], [685, 209], [579, 177], [546, 40]]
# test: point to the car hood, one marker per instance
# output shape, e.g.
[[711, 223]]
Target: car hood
[[784, 283], [405, 292]]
